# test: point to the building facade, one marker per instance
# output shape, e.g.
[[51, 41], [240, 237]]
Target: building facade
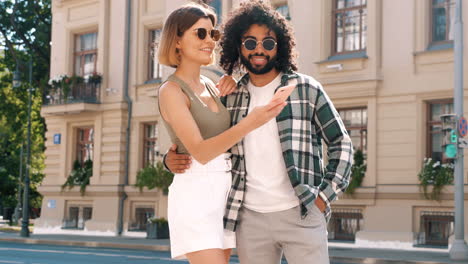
[[387, 66]]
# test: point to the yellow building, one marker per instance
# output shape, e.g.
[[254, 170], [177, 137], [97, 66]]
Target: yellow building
[[387, 65]]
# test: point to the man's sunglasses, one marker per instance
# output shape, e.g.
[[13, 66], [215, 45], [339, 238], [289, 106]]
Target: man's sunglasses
[[251, 44], [203, 32]]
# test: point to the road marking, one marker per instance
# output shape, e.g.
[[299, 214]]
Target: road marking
[[80, 253], [11, 262]]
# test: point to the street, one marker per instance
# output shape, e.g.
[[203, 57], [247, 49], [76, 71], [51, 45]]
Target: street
[[15, 253]]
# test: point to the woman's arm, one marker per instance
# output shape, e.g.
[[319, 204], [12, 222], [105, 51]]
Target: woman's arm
[[175, 110]]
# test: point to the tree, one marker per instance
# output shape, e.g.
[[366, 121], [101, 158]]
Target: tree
[[25, 31]]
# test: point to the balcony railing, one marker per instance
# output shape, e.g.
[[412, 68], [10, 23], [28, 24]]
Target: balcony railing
[[75, 93]]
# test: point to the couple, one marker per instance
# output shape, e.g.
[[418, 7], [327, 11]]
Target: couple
[[272, 193]]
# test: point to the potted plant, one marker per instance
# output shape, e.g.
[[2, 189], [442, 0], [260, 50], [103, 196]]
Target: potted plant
[[358, 171], [435, 174], [157, 228], [58, 87], [94, 78], [65, 85], [80, 175], [154, 176]]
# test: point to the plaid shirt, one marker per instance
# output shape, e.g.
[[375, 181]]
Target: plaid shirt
[[308, 118]]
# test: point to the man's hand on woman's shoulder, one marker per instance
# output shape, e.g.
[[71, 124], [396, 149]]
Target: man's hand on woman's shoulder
[[226, 85]]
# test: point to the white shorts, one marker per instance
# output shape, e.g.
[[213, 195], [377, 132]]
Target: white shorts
[[197, 202]]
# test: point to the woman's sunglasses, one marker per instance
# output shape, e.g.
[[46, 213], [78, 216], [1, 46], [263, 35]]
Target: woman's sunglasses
[[251, 44], [203, 32]]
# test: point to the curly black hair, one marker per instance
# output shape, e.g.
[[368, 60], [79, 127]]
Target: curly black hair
[[239, 22]]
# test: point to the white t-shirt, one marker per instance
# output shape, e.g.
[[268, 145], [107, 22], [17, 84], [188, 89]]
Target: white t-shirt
[[268, 186]]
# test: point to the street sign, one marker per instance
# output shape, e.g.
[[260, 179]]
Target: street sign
[[51, 204], [57, 138], [462, 127], [463, 143]]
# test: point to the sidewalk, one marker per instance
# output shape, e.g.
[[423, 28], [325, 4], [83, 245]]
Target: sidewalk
[[339, 252]]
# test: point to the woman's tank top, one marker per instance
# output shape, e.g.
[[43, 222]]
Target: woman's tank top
[[209, 123]]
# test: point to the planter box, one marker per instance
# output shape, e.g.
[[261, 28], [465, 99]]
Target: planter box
[[157, 230]]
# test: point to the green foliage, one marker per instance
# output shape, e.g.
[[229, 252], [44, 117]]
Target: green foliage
[[95, 78], [435, 174], [24, 32], [65, 85], [154, 176], [358, 171], [79, 176], [159, 221]]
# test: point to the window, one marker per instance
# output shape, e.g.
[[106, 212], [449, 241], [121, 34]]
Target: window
[[84, 146], [73, 214], [434, 128], [151, 149], [344, 224], [85, 54], [442, 20], [154, 68], [87, 213], [436, 228], [216, 4], [349, 26], [284, 10], [77, 216], [355, 121], [141, 218]]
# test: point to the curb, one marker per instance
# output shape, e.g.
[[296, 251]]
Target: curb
[[86, 244]]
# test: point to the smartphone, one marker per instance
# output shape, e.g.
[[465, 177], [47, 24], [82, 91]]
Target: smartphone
[[283, 93]]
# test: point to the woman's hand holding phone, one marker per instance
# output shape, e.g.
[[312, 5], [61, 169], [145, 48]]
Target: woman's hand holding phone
[[262, 114], [281, 95]]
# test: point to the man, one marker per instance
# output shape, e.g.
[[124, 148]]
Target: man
[[281, 192]]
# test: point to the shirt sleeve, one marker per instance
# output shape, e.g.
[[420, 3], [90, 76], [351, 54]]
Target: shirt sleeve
[[340, 150]]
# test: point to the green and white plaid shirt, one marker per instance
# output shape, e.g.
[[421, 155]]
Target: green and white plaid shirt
[[308, 118]]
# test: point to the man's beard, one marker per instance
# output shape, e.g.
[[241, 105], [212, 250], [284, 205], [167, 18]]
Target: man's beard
[[265, 69]]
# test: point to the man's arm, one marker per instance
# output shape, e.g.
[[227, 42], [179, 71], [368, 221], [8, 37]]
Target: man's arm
[[340, 151], [176, 163]]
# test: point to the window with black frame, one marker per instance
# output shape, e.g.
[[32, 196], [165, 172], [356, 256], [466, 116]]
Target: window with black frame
[[142, 214], [154, 68], [355, 121], [77, 216], [442, 21], [349, 26], [151, 148], [434, 128], [344, 224], [73, 217], [435, 228]]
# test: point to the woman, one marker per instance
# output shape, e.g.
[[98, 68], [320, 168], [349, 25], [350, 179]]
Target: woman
[[200, 126]]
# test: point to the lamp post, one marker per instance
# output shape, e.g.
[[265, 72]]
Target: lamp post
[[459, 249], [18, 204], [16, 84]]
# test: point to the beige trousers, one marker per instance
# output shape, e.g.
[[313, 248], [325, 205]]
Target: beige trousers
[[262, 238]]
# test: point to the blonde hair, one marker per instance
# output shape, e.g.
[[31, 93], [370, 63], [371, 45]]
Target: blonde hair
[[176, 24]]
